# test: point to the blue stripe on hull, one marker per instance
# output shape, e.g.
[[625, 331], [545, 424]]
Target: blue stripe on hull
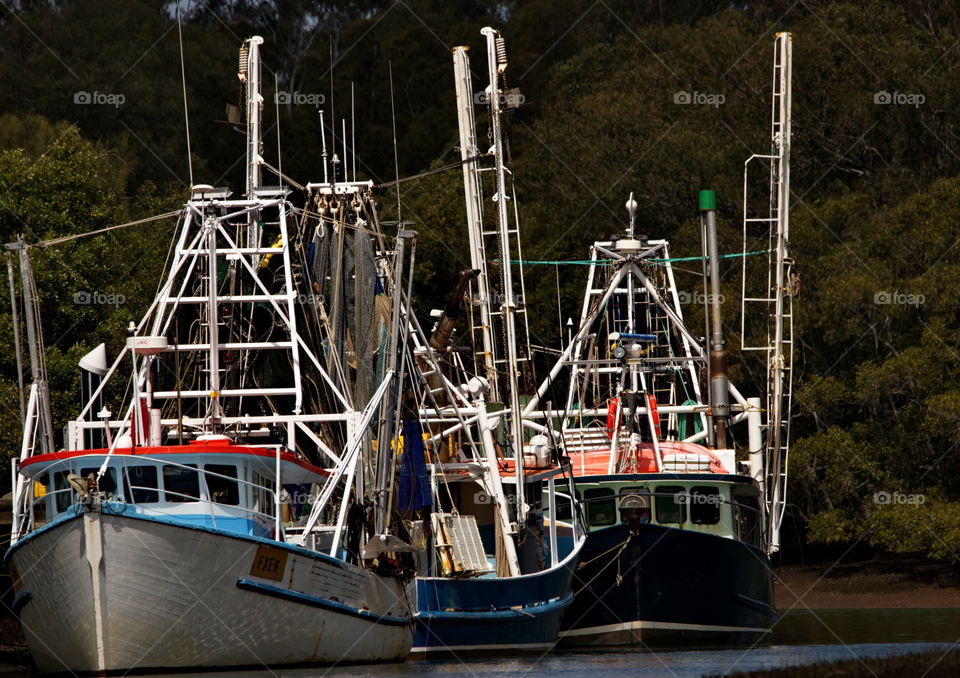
[[666, 584], [313, 601], [532, 627], [436, 593]]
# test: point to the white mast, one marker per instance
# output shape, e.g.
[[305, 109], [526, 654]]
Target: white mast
[[474, 205], [249, 74], [776, 302], [497, 64]]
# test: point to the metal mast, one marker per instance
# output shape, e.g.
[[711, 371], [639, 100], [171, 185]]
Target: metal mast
[[249, 74], [776, 301], [497, 65], [38, 365], [474, 205]]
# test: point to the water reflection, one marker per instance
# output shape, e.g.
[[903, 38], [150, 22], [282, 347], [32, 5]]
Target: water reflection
[[868, 626]]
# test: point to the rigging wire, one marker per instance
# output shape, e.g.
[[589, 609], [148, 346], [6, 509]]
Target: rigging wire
[[276, 170], [68, 238], [436, 170], [396, 157], [183, 82]]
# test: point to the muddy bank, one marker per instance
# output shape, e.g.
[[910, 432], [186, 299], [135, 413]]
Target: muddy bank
[[888, 583]]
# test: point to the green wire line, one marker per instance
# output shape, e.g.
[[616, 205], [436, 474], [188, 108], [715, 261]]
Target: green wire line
[[587, 262]]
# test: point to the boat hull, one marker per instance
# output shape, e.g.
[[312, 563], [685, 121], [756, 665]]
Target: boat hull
[[662, 585], [105, 592], [491, 614], [530, 628]]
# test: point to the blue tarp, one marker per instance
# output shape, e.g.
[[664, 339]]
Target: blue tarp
[[414, 481]]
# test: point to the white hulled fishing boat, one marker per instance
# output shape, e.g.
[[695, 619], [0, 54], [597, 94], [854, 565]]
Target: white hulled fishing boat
[[220, 520]]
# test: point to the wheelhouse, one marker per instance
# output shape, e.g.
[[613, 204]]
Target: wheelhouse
[[214, 485], [723, 505]]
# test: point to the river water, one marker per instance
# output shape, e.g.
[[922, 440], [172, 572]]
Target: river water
[[800, 637]]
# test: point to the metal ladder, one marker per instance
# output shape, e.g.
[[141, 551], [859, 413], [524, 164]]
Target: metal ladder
[[775, 302]]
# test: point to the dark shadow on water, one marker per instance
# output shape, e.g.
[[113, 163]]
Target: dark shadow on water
[[800, 637]]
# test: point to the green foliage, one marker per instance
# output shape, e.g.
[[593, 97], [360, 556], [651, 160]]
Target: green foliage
[[874, 207], [91, 288]]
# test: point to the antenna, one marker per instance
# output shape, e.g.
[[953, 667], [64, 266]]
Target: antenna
[[183, 82], [323, 142], [396, 157], [276, 106], [345, 165], [333, 118], [353, 133]]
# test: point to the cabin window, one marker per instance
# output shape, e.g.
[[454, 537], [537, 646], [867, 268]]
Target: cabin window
[[107, 484], [564, 508], [60, 483], [222, 490], [181, 483], [263, 495], [705, 505], [601, 507], [140, 483], [671, 504], [746, 516]]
